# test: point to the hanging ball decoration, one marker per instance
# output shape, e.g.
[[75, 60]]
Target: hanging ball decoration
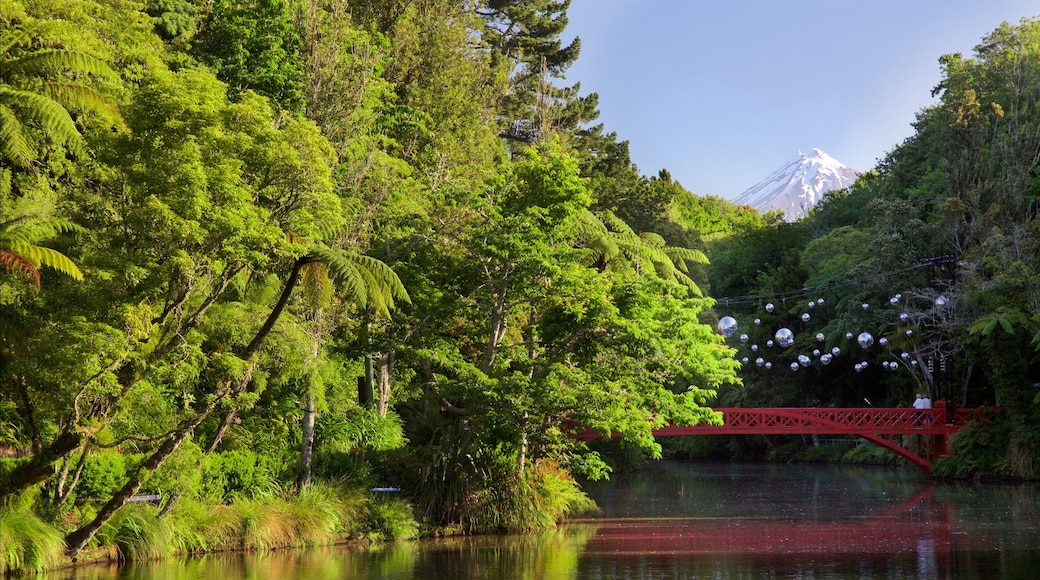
[[812, 304], [794, 366], [760, 361], [848, 336], [744, 360], [754, 348], [904, 355], [940, 301], [863, 364], [769, 307], [769, 365], [743, 338], [825, 359], [816, 352], [727, 326], [835, 351], [769, 343], [784, 337], [804, 360], [805, 317], [858, 367], [903, 317], [913, 363], [882, 341], [820, 337], [909, 333], [865, 306], [865, 340], [819, 301], [758, 322]]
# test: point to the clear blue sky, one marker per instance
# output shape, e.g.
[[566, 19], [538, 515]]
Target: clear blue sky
[[723, 92]]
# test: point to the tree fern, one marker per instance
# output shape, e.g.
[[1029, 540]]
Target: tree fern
[[609, 239], [366, 281]]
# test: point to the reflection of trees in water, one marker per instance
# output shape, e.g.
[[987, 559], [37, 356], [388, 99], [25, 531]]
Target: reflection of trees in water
[[675, 488], [544, 554]]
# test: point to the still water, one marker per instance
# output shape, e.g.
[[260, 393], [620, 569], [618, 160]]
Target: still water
[[698, 520]]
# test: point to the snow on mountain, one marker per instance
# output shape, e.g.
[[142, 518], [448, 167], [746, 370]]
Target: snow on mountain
[[798, 185]]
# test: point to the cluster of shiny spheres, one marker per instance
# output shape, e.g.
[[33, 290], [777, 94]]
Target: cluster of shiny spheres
[[784, 338]]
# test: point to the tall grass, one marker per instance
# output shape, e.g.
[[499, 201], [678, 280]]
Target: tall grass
[[315, 516], [138, 533], [27, 544]]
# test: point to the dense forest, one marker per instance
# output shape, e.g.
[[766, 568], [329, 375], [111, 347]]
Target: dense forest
[[258, 258]]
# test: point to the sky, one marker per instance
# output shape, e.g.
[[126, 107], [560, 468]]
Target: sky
[[722, 93]]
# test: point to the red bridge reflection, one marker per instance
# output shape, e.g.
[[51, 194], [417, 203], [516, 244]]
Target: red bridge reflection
[[915, 434], [912, 526]]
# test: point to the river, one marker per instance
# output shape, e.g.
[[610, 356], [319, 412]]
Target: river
[[679, 520]]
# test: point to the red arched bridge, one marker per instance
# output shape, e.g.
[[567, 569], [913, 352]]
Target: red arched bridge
[[915, 434]]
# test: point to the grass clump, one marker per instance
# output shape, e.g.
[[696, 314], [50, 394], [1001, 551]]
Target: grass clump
[[27, 544]]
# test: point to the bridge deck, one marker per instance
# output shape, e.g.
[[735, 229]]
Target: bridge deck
[[891, 428]]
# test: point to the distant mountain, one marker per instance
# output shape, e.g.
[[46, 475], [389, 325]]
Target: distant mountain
[[798, 185]]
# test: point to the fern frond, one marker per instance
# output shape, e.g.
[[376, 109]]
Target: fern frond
[[682, 255], [317, 286], [52, 117], [20, 266], [654, 240], [19, 238], [45, 61], [79, 98], [13, 37], [15, 145], [364, 280], [587, 224], [616, 224]]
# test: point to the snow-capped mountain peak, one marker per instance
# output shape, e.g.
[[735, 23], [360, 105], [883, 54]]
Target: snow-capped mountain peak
[[795, 187]]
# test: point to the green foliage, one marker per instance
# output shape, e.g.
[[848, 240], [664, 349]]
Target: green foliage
[[103, 474], [241, 473], [174, 18], [980, 448], [357, 429], [253, 46]]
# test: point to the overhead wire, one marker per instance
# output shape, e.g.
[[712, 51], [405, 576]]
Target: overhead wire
[[817, 290]]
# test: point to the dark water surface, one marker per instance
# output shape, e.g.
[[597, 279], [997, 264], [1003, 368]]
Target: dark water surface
[[696, 520]]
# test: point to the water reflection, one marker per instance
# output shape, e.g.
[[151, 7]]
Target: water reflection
[[681, 520]]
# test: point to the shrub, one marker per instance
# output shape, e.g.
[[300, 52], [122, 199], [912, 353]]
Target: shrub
[[238, 474], [103, 475], [980, 447]]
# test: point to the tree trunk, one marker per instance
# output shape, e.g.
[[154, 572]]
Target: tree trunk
[[41, 466], [307, 448], [254, 347], [386, 364], [78, 539]]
